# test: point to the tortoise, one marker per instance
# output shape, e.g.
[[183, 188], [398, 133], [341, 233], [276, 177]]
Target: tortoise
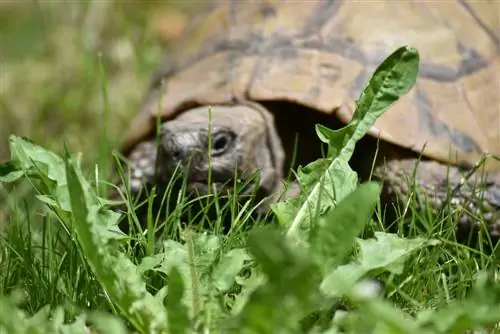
[[271, 70]]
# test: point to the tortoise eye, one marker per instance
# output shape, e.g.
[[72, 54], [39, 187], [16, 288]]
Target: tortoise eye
[[221, 142]]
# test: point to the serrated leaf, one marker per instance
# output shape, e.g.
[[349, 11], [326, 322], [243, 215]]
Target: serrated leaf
[[372, 312], [395, 76], [227, 269], [35, 162], [28, 156], [45, 320], [194, 271], [248, 286], [288, 294], [374, 315], [176, 254], [9, 172], [387, 252], [311, 173], [12, 319], [41, 318], [389, 319], [334, 235], [177, 313], [114, 271], [76, 327], [107, 324], [336, 139]]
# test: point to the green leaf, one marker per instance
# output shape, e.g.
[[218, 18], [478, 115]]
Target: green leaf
[[76, 327], [393, 78], [387, 318], [336, 139], [114, 271], [106, 323], [28, 157], [387, 252], [372, 312], [12, 319], [288, 294], [228, 268], [37, 163], [194, 269], [178, 316], [45, 320], [9, 172], [333, 238], [248, 286]]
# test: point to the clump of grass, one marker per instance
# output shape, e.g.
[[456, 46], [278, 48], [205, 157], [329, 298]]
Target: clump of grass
[[309, 272]]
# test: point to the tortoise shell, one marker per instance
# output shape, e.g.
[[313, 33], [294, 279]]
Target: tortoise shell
[[321, 54]]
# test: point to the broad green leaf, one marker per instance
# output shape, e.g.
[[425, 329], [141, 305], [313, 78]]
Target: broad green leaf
[[46, 320], [194, 269], [12, 319], [393, 78], [41, 318], [33, 161], [248, 286], [336, 139], [228, 268], [177, 313], [37, 163], [388, 319], [76, 327], [288, 294], [106, 323], [311, 173], [334, 235], [28, 157], [9, 172], [114, 271], [387, 252], [372, 312]]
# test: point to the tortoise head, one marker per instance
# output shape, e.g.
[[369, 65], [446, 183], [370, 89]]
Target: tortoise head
[[222, 144]]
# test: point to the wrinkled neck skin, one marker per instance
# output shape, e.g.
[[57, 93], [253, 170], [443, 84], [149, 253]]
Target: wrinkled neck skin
[[230, 143]]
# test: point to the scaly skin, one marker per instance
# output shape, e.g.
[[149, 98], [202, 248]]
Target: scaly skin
[[473, 195]]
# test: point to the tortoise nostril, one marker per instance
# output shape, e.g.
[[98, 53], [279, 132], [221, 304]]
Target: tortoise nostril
[[176, 154]]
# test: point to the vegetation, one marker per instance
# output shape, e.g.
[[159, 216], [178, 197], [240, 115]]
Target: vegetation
[[326, 265]]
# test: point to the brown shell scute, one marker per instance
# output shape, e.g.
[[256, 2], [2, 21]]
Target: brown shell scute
[[321, 54]]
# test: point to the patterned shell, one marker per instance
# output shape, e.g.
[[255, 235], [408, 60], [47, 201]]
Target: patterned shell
[[321, 54]]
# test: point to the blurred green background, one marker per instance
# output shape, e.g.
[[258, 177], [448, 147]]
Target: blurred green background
[[56, 57]]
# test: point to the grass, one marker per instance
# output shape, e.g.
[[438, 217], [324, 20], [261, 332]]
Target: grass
[[65, 267]]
